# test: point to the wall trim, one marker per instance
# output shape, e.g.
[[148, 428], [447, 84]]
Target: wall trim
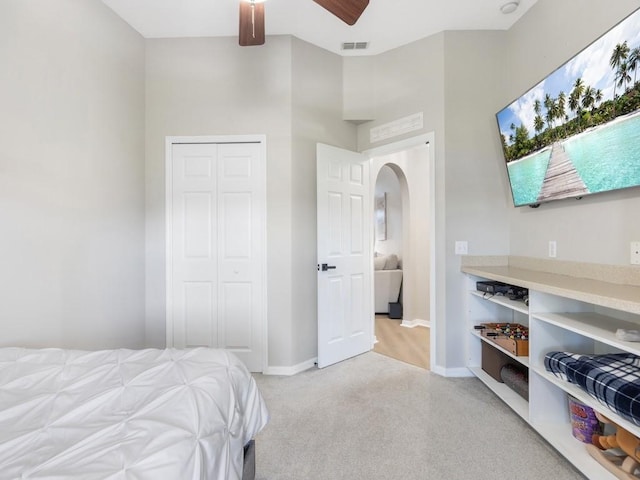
[[293, 370], [462, 372], [417, 322]]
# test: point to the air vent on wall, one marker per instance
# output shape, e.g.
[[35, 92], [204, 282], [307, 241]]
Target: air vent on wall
[[355, 45]]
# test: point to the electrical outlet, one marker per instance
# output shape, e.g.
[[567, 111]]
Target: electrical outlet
[[462, 247], [635, 253], [552, 248]]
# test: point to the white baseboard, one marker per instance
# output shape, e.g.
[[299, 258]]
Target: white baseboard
[[452, 372], [288, 371], [416, 323]]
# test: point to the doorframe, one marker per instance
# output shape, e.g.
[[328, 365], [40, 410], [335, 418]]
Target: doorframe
[[434, 244], [262, 206]]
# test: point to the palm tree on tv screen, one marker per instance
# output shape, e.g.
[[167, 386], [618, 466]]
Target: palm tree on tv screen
[[633, 62], [559, 114], [619, 55]]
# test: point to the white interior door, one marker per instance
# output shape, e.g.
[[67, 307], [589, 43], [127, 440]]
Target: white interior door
[[215, 215], [344, 255]]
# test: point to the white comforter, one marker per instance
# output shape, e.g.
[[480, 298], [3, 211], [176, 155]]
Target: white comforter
[[134, 414]]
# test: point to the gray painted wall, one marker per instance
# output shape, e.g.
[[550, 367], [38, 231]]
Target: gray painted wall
[[211, 86], [316, 117], [460, 80], [597, 228], [288, 90], [454, 82], [387, 183], [71, 176], [476, 207]]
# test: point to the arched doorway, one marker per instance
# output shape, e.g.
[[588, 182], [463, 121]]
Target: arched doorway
[[404, 176]]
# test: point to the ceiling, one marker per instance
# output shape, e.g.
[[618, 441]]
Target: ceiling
[[385, 24]]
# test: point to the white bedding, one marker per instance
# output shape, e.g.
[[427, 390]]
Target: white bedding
[[134, 414]]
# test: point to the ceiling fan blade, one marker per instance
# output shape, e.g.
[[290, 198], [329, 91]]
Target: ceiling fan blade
[[251, 23], [348, 11]]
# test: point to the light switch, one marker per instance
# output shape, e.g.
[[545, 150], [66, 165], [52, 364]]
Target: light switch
[[462, 247]]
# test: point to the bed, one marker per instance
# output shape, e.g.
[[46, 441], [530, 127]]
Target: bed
[[144, 414], [612, 379]]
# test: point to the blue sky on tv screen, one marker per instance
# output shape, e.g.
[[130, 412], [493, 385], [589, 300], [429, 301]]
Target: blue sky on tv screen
[[592, 65]]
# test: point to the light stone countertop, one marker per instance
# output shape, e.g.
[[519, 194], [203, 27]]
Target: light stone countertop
[[611, 294]]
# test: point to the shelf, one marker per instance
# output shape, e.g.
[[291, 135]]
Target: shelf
[[560, 437], [524, 360], [587, 399], [508, 396], [594, 326], [516, 305], [587, 328], [619, 296]]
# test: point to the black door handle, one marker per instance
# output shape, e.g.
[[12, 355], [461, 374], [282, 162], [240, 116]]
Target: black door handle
[[326, 267]]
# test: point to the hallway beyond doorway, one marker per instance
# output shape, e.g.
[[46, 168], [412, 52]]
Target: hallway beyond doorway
[[409, 345]]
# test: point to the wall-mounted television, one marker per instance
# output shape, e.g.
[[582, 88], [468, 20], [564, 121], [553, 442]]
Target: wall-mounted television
[[577, 132]]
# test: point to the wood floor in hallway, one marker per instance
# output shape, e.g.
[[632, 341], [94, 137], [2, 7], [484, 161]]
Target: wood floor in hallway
[[409, 345]]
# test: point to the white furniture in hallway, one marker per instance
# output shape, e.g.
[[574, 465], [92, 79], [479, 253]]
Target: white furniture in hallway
[[387, 281]]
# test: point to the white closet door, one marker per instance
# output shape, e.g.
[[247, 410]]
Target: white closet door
[[215, 249], [240, 251]]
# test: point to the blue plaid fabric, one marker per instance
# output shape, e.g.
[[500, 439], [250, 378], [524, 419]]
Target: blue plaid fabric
[[613, 379]]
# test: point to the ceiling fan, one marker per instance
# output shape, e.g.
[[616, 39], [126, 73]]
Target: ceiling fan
[[252, 17]]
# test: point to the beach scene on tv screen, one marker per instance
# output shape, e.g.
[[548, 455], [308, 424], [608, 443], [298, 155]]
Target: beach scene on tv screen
[[577, 132]]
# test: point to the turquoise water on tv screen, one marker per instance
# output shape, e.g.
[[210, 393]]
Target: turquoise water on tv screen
[[608, 158], [526, 177]]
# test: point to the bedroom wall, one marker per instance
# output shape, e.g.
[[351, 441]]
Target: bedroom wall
[[387, 182], [453, 78], [211, 86], [597, 228], [476, 190], [408, 80], [316, 117], [460, 79], [71, 176], [286, 89]]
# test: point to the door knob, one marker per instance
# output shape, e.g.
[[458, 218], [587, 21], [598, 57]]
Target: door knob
[[326, 267]]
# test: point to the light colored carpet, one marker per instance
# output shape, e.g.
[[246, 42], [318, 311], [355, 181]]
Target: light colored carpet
[[372, 417]]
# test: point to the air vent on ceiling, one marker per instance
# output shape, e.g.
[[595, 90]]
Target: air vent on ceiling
[[355, 45]]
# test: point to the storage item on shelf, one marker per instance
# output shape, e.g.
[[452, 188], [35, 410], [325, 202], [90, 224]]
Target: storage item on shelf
[[513, 292], [584, 423], [492, 287], [516, 378], [613, 379], [493, 360], [619, 453], [513, 337], [628, 335]]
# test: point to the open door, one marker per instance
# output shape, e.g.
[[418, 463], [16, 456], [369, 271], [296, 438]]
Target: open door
[[344, 255]]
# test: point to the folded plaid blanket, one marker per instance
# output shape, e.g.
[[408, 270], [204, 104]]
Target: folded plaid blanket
[[612, 379]]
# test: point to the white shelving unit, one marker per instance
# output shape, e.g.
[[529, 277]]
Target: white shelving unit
[[565, 314], [514, 305]]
